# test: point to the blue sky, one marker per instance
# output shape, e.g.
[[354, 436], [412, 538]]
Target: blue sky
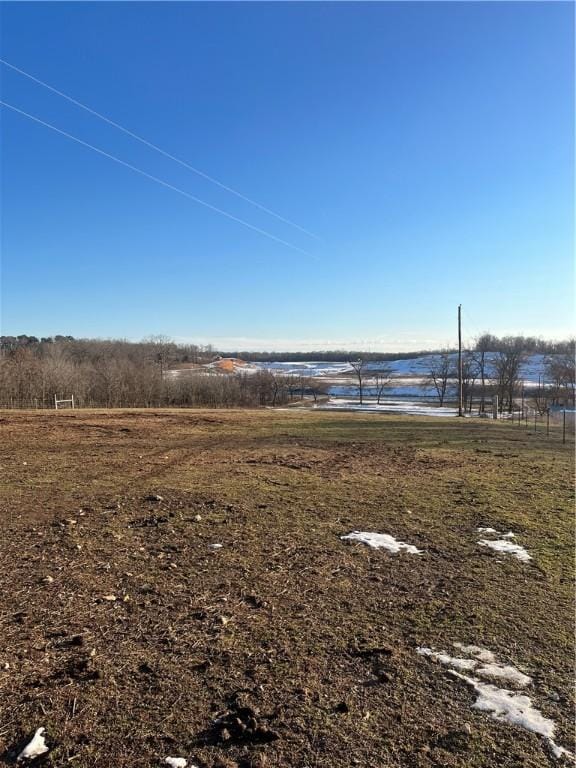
[[430, 147]]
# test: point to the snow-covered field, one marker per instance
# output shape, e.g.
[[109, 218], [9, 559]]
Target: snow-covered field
[[417, 367], [411, 408], [407, 391]]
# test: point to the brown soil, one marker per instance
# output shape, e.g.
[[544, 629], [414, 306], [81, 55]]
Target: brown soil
[[285, 646]]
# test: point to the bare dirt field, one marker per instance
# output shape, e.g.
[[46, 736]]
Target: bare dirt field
[[130, 636]]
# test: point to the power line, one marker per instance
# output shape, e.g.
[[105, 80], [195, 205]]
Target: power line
[[154, 178], [159, 149]]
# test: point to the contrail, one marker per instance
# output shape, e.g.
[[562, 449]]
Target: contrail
[[159, 149], [154, 178]]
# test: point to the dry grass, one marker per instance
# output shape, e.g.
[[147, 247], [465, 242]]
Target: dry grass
[[304, 644]]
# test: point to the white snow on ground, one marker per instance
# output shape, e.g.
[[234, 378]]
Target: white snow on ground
[[381, 540], [320, 369], [484, 664], [388, 406], [502, 544], [508, 535], [504, 672], [176, 762], [507, 547], [503, 704], [448, 661], [36, 746], [515, 708], [482, 654]]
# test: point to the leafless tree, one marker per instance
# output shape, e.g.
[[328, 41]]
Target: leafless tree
[[483, 346], [561, 373], [440, 372], [507, 367], [541, 396], [358, 367], [469, 374], [163, 351], [381, 380]]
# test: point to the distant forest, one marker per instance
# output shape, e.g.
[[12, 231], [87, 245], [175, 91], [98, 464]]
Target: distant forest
[[196, 353], [123, 374]]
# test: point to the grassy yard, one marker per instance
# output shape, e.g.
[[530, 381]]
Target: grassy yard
[[285, 646]]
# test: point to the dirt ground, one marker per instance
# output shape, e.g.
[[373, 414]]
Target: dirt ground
[[130, 637]]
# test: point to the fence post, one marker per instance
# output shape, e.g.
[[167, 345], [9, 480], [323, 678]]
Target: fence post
[[547, 422], [535, 415], [564, 426]]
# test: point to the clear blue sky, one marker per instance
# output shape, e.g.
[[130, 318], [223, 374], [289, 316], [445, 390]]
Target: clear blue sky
[[429, 145]]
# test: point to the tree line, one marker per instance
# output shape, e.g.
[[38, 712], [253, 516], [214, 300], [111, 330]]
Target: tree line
[[197, 353], [117, 373], [492, 375], [121, 374]]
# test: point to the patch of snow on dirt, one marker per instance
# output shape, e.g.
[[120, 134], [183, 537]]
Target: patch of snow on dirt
[[176, 762], [504, 672], [448, 661], [411, 408], [483, 663], [502, 544], [381, 540], [503, 704], [507, 547], [482, 654], [515, 708], [508, 535], [36, 746]]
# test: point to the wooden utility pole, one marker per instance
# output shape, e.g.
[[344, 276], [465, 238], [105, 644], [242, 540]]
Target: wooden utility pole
[[460, 412]]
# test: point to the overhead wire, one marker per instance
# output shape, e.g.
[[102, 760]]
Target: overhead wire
[[155, 147], [155, 178]]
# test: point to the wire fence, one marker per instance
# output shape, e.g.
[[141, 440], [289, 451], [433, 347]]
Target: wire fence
[[552, 423]]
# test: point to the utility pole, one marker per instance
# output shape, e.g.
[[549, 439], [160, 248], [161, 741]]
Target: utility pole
[[460, 413]]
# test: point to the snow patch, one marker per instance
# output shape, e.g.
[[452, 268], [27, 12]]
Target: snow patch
[[502, 544], [514, 708], [504, 672], [409, 408], [483, 663], [36, 746], [381, 541], [448, 661], [502, 704], [507, 547], [176, 762], [482, 654], [508, 535]]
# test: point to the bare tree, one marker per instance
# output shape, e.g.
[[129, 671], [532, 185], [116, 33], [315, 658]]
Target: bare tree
[[561, 372], [469, 374], [483, 346], [439, 374], [381, 381], [541, 396], [358, 367], [163, 351], [507, 366]]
